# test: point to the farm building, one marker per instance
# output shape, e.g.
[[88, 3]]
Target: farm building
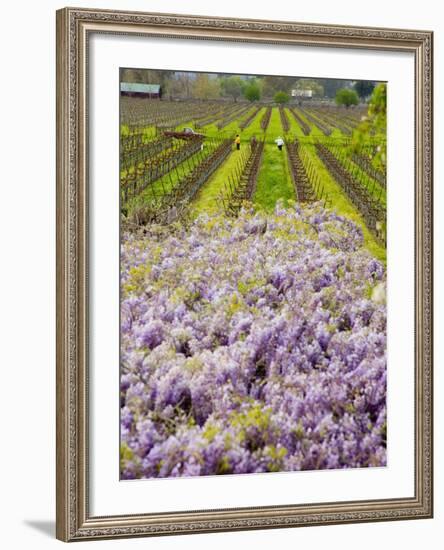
[[135, 89], [306, 94]]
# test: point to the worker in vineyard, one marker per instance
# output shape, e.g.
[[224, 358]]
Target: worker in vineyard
[[279, 142], [237, 141]]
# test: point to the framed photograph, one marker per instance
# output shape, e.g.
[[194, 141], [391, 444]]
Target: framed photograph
[[244, 274]]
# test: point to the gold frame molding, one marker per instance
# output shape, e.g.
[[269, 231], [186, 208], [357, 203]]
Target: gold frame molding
[[73, 521]]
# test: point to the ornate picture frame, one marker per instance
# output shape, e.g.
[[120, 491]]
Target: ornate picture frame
[[74, 520]]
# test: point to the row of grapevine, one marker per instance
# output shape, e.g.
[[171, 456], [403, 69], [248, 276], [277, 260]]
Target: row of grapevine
[[325, 128], [305, 177], [265, 120], [371, 209], [364, 163], [333, 120], [303, 125], [371, 185], [284, 119], [152, 167], [140, 113], [172, 202], [135, 148], [241, 186], [249, 119]]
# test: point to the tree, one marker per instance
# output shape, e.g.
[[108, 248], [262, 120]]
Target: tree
[[375, 121], [364, 88], [269, 86], [131, 75], [205, 87], [309, 84], [252, 91], [146, 76], [281, 97], [273, 84], [332, 85], [180, 85], [232, 86], [377, 110], [346, 97]]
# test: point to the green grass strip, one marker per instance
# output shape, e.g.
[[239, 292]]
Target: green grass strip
[[274, 179]]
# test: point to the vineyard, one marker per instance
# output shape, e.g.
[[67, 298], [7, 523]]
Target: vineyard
[[253, 309], [166, 178]]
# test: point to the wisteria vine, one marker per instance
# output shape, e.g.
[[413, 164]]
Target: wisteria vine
[[252, 344]]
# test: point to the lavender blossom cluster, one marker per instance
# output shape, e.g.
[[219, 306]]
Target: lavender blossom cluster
[[252, 344]]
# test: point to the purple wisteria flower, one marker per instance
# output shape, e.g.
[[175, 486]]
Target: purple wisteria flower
[[252, 344]]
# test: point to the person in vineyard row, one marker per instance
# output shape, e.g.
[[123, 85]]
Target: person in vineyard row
[[237, 141], [279, 142]]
